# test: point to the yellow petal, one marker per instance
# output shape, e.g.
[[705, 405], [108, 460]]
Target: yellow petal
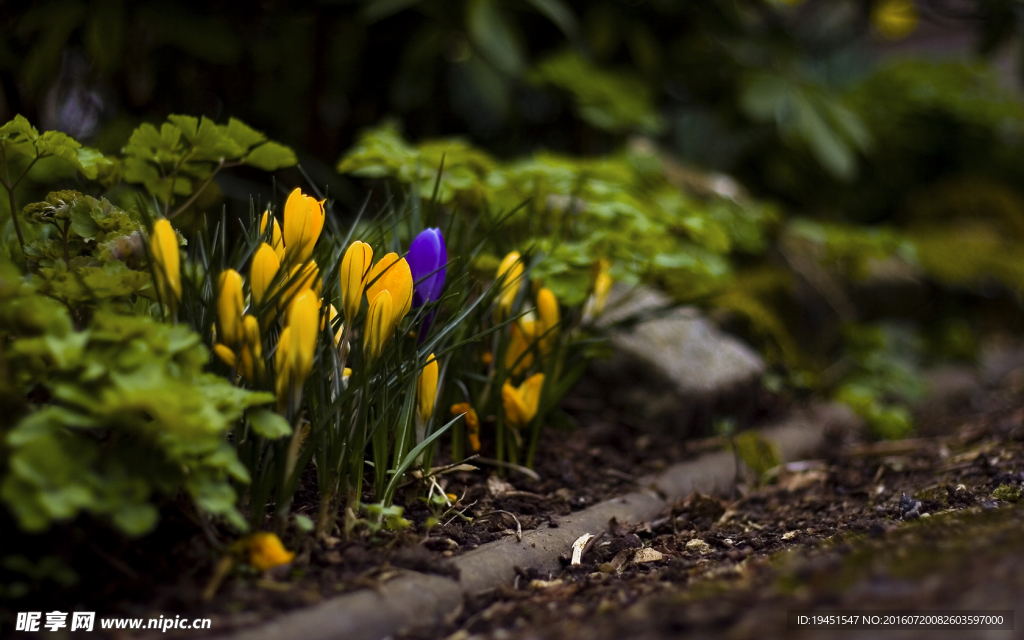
[[301, 276], [267, 552], [515, 410], [355, 267], [547, 309], [276, 241], [517, 358], [265, 265], [472, 423], [230, 306], [303, 222], [894, 19], [304, 321], [252, 367], [529, 391], [378, 328], [509, 275], [166, 255], [426, 388], [226, 355], [392, 273], [247, 363]]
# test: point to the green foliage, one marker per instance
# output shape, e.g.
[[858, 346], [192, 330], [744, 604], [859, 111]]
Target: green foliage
[[613, 101], [883, 376], [807, 114], [849, 249], [1007, 492], [26, 576], [628, 207], [895, 94], [23, 146], [85, 250], [757, 452], [183, 155], [120, 416], [379, 516]]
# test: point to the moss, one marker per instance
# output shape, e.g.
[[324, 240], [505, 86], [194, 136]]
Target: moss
[[1007, 492]]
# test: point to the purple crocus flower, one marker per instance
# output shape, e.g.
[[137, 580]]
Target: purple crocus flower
[[427, 258]]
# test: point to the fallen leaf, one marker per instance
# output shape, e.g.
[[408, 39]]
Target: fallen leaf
[[577, 548]]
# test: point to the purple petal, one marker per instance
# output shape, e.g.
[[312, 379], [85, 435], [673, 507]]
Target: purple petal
[[427, 257]]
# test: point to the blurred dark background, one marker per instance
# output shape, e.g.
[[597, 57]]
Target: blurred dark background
[[886, 135], [771, 91]]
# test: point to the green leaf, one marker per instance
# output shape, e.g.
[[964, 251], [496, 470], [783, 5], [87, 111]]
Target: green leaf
[[557, 12], [268, 424], [610, 100], [188, 125], [399, 472], [245, 136], [493, 36], [303, 522], [136, 519], [271, 156]]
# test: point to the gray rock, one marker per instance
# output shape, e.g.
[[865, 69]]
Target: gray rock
[[672, 366]]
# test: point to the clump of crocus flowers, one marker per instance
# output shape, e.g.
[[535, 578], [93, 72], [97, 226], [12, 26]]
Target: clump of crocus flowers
[[239, 334]]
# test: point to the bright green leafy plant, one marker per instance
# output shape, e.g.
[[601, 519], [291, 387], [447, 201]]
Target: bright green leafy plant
[[112, 416]]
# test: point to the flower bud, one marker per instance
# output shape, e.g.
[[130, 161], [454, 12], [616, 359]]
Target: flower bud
[[426, 389], [265, 265], [163, 247], [355, 267], [392, 274], [230, 305], [378, 328], [303, 222], [509, 275]]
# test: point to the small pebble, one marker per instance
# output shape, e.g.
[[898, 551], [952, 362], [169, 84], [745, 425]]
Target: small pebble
[[699, 546], [909, 508]]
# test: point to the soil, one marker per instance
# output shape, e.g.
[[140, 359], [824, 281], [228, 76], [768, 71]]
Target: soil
[[166, 572], [923, 524], [828, 532]]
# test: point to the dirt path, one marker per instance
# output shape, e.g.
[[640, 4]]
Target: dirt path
[[832, 533]]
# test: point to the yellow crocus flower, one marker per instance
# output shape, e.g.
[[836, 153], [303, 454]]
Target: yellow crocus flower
[[426, 389], [392, 274], [304, 321], [230, 305], [226, 355], [472, 423], [301, 276], [517, 357], [378, 328], [509, 274], [265, 265], [521, 402], [276, 241], [602, 286], [894, 19], [251, 366], [267, 552], [163, 247], [547, 309], [355, 267], [297, 344], [303, 222]]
